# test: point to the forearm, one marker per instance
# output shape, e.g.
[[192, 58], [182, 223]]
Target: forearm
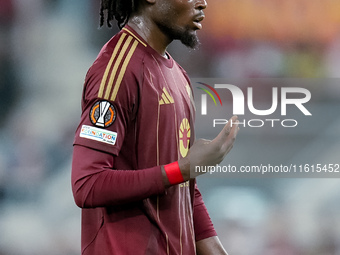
[[203, 225], [96, 184]]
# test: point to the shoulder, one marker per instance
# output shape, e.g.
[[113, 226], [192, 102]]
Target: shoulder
[[121, 53], [120, 61]]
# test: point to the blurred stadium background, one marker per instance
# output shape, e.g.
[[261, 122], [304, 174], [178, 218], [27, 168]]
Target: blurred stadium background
[[46, 48]]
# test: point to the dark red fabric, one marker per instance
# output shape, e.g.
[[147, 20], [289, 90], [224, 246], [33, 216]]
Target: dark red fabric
[[96, 184], [202, 222], [118, 182], [6, 11]]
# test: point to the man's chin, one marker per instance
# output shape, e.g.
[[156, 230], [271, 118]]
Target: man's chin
[[190, 39], [187, 36]]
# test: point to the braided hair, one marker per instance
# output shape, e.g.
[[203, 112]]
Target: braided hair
[[120, 10]]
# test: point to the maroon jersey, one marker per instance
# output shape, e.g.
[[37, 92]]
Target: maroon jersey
[[136, 116]]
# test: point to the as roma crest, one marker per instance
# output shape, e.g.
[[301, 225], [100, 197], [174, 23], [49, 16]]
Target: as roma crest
[[184, 137]]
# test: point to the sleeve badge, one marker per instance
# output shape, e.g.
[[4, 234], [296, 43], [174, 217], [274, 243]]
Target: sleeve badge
[[103, 114]]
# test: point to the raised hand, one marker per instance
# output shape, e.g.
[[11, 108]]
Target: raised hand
[[209, 153]]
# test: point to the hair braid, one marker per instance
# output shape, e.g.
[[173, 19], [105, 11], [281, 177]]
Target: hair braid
[[120, 10]]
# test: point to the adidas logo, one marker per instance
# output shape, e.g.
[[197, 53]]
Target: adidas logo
[[166, 98]]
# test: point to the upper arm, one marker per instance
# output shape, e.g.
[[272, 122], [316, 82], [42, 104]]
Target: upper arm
[[110, 100]]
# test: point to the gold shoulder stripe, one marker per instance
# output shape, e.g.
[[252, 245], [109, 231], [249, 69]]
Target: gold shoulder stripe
[[127, 30], [116, 66], [108, 67], [123, 69]]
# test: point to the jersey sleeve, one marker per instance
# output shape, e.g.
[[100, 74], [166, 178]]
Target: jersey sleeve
[[95, 184], [202, 223], [109, 101], [109, 106]]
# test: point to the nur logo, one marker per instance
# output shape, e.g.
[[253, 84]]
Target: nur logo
[[204, 97], [281, 98]]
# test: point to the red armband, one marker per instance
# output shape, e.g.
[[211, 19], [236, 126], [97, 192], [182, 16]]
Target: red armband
[[173, 173]]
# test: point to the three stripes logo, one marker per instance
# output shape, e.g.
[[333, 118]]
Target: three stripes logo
[[204, 97], [166, 98]]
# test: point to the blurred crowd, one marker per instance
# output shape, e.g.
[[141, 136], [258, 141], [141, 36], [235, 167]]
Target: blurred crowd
[[45, 50]]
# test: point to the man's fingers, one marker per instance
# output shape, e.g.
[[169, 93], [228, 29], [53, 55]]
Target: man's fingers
[[231, 126], [234, 130]]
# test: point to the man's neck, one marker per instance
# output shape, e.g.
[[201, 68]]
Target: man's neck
[[151, 33]]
